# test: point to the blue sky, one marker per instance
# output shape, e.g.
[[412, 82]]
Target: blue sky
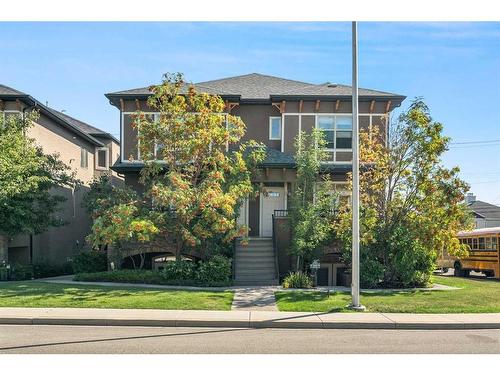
[[454, 66]]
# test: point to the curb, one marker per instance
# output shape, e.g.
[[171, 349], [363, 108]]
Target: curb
[[246, 319], [243, 324]]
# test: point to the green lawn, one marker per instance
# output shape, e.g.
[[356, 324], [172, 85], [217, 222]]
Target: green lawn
[[476, 296], [41, 294]]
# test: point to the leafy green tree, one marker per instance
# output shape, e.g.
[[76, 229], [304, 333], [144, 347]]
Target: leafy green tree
[[411, 205], [124, 222], [28, 203], [103, 195], [313, 203], [193, 183]]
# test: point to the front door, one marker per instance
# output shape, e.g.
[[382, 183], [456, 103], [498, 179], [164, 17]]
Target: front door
[[273, 198]]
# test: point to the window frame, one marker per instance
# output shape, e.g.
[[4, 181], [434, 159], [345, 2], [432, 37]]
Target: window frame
[[84, 151], [333, 151], [97, 166], [271, 118]]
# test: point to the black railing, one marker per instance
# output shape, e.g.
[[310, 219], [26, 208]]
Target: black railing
[[275, 246], [277, 214]]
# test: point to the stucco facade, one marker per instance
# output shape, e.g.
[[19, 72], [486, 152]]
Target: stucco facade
[[77, 145]]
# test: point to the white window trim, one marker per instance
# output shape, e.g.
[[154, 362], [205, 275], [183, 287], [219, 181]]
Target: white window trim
[[279, 138], [155, 115], [96, 159]]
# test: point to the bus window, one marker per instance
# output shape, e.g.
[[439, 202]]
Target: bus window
[[481, 243], [494, 243], [474, 244], [487, 245], [469, 242]]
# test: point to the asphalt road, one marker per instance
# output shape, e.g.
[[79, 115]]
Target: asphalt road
[[138, 340]]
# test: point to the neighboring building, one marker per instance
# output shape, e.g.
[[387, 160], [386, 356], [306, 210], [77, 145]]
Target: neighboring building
[[486, 215], [87, 150], [274, 110]]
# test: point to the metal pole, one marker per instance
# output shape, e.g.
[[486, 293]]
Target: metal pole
[[355, 304]]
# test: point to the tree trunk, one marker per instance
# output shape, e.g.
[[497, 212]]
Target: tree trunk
[[133, 261], [143, 256], [178, 252], [297, 266], [4, 248]]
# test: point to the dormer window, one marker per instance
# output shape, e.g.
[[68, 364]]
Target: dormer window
[[275, 128]]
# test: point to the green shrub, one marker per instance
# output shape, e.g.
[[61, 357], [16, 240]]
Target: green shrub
[[297, 280], [41, 270], [141, 277], [93, 261], [20, 272], [179, 270], [122, 276], [215, 270], [372, 270]]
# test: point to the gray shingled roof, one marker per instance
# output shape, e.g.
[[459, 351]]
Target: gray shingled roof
[[144, 91], [84, 127], [6, 90], [276, 158], [486, 210], [257, 86], [335, 89], [81, 128]]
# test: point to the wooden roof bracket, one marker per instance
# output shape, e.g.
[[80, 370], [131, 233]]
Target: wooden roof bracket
[[316, 107], [137, 104], [301, 104], [284, 173], [231, 106], [372, 106], [337, 105], [388, 106], [19, 105], [282, 108], [122, 105]]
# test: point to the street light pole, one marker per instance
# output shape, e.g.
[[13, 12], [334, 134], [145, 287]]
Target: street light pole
[[355, 304]]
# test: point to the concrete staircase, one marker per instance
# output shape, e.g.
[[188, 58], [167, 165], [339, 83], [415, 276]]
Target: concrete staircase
[[255, 263]]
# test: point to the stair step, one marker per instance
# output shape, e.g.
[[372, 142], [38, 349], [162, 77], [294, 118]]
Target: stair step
[[259, 253], [258, 265], [265, 268], [254, 251], [268, 274]]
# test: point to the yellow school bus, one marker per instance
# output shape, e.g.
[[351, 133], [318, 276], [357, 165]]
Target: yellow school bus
[[483, 253]]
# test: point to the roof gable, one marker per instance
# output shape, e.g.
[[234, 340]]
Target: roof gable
[[484, 209], [78, 127]]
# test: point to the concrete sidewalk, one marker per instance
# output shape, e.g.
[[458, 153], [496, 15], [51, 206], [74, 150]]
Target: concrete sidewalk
[[244, 319]]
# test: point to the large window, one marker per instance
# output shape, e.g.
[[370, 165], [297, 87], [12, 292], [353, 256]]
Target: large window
[[337, 130], [275, 128], [338, 136], [84, 158], [102, 158]]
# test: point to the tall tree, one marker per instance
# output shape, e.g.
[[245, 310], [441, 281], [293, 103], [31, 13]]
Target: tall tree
[[313, 202], [411, 205], [196, 172], [27, 175]]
